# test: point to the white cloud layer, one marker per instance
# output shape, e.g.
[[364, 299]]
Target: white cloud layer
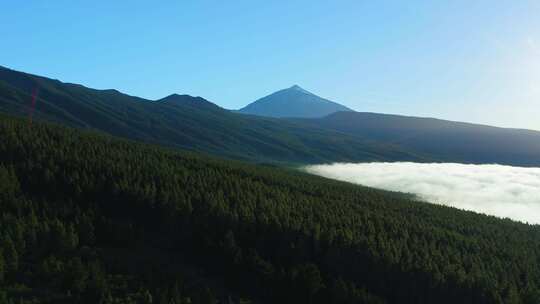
[[503, 191]]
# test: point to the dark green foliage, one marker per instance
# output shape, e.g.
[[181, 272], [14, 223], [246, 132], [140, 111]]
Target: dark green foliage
[[10, 253], [3, 267], [93, 219], [307, 278]]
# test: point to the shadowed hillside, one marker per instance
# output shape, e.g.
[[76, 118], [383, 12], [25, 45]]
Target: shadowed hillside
[[185, 122], [86, 218], [443, 140], [193, 123]]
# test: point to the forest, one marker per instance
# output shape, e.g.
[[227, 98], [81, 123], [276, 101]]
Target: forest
[[89, 218]]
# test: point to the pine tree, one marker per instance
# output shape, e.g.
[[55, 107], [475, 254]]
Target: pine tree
[[2, 266], [309, 279], [11, 255]]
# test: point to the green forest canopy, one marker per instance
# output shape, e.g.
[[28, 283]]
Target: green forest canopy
[[88, 218]]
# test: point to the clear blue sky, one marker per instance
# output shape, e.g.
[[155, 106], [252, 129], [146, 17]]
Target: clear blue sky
[[476, 61]]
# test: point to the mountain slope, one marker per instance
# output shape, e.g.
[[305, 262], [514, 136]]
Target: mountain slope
[[438, 139], [87, 218], [193, 123], [293, 102], [185, 122]]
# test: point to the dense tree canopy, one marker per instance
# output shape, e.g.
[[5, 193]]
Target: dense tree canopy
[[92, 219]]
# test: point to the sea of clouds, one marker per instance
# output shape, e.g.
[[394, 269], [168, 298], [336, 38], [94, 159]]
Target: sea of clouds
[[503, 191]]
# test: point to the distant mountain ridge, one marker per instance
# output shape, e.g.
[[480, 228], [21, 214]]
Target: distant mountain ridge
[[293, 102], [193, 123], [183, 121], [450, 141]]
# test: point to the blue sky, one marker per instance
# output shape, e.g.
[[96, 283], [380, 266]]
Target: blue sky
[[476, 61]]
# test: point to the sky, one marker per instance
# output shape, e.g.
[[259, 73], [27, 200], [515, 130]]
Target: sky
[[475, 61]]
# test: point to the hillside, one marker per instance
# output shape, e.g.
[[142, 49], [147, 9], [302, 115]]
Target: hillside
[[293, 102], [182, 121], [443, 140], [88, 218], [193, 123]]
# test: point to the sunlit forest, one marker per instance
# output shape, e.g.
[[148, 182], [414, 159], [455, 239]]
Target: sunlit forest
[[88, 218]]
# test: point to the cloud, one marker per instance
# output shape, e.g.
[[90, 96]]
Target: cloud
[[503, 191]]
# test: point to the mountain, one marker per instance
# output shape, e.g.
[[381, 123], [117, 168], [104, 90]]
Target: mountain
[[293, 102], [88, 218], [447, 141], [183, 121], [193, 123]]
